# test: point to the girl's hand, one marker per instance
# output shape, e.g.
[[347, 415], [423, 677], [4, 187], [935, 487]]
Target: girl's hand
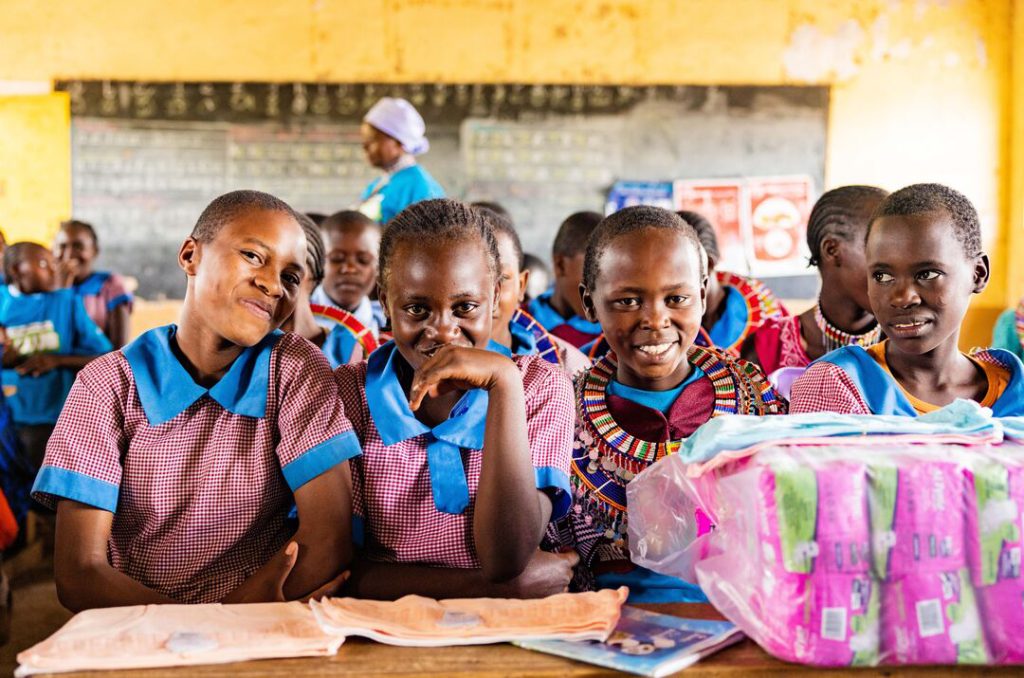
[[38, 363], [329, 589], [267, 584], [545, 575], [67, 271], [460, 368]]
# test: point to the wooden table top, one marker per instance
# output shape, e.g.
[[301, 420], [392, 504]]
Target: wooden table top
[[359, 657]]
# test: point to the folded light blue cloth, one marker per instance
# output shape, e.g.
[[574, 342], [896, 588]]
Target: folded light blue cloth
[[738, 432]]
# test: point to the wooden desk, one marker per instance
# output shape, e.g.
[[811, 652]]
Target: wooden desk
[[359, 657]]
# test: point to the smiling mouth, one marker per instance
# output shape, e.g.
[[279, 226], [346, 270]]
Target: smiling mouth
[[908, 324], [656, 350], [258, 309]]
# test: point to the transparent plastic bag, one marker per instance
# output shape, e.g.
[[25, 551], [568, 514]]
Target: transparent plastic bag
[[851, 551]]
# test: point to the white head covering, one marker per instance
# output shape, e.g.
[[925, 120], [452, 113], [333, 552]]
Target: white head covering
[[399, 119]]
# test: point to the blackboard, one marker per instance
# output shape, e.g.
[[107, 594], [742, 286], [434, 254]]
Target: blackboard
[[148, 157]]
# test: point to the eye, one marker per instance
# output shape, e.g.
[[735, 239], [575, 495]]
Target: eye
[[416, 310], [627, 302], [252, 256], [882, 278], [676, 300], [466, 307], [291, 279], [930, 274], [365, 260]]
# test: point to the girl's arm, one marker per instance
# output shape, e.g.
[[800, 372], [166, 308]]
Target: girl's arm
[[119, 325], [83, 575], [510, 514], [545, 574]]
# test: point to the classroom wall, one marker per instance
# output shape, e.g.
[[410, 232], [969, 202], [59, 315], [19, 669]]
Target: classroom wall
[[922, 90]]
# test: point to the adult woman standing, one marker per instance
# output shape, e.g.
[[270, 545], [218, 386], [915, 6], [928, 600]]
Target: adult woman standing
[[393, 135]]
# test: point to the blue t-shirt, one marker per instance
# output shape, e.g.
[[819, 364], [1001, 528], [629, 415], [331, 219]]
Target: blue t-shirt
[[406, 186], [48, 322]]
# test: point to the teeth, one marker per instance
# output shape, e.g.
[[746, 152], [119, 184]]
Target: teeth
[[901, 325], [655, 349]]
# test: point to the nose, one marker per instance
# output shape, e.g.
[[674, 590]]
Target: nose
[[269, 283], [904, 294], [443, 329], [348, 265], [655, 315]]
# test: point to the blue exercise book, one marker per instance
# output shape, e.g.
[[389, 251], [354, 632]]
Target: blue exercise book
[[646, 643]]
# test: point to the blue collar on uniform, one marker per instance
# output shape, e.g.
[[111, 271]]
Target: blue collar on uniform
[[396, 422], [166, 389], [545, 314], [93, 284], [523, 342]]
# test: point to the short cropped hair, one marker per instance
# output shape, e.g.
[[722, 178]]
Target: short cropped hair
[[922, 198], [230, 206], [442, 219], [843, 213], [346, 220], [83, 226], [630, 221], [574, 232], [16, 252]]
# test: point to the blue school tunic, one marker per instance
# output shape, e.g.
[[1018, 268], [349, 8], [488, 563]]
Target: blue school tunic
[[382, 201], [733, 322], [578, 331], [883, 395], [339, 345], [47, 322]]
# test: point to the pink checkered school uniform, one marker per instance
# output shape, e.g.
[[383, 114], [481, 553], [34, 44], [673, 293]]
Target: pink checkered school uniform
[[199, 480], [414, 488], [101, 293]]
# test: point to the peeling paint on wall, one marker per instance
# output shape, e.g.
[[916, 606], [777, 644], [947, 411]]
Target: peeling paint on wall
[[814, 56]]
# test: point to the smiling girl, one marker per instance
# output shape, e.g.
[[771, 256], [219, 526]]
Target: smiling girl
[[924, 262], [644, 281], [465, 451]]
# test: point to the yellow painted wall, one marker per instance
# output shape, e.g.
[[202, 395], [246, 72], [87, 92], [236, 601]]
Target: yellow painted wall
[[921, 89], [35, 166], [1015, 217]]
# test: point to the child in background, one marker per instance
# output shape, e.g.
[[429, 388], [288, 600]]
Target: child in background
[[176, 459], [514, 328], [540, 277], [350, 273], [49, 338], [644, 281], [842, 316], [347, 340], [465, 451], [924, 262], [1008, 333], [559, 308], [107, 300], [736, 305]]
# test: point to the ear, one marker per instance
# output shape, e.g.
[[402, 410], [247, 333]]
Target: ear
[[189, 255], [704, 295], [589, 309], [982, 271], [524, 279], [831, 250], [382, 297], [712, 263]]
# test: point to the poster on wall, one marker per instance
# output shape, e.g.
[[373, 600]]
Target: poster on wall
[[721, 202], [778, 211], [630, 193]]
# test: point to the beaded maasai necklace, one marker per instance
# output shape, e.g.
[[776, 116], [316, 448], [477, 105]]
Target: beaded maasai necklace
[[342, 317], [606, 457], [761, 302], [545, 346], [832, 337], [1019, 317]]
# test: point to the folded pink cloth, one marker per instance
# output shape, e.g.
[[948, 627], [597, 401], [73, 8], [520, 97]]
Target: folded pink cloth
[[150, 636], [425, 622]]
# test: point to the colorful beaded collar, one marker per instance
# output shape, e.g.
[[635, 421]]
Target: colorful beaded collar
[[545, 345], [342, 317], [832, 337], [761, 302], [612, 456]]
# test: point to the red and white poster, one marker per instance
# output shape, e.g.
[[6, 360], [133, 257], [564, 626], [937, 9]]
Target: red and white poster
[[723, 203], [778, 211]]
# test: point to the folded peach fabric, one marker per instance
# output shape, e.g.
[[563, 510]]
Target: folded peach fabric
[[425, 622], [147, 636]]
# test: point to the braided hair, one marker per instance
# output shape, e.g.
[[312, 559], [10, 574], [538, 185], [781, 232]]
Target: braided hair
[[437, 220], [705, 232], [314, 248], [841, 213]]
